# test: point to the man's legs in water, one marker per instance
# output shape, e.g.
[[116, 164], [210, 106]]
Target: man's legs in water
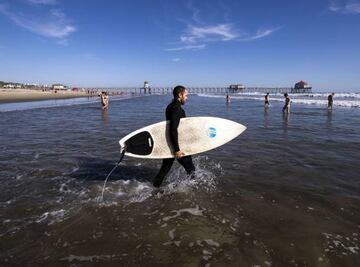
[[187, 163], [165, 168]]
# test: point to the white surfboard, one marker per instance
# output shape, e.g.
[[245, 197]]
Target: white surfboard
[[195, 135]]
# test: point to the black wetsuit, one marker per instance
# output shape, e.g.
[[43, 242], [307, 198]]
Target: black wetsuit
[[267, 100], [330, 101], [174, 113]]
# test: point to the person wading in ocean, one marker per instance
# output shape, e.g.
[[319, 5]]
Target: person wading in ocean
[[227, 98], [331, 101], [174, 113], [267, 103], [286, 108], [104, 100]]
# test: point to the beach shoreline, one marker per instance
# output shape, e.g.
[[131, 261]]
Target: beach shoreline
[[25, 95]]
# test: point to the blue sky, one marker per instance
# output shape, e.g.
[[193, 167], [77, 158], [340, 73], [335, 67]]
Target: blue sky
[[194, 43]]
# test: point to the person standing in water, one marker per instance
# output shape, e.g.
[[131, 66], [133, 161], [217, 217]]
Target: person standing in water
[[286, 108], [104, 100], [267, 103], [174, 113], [227, 98], [330, 101]]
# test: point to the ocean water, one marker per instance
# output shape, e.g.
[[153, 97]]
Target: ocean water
[[284, 193]]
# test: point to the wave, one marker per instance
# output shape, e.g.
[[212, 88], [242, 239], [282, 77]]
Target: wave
[[53, 103], [322, 94], [299, 99]]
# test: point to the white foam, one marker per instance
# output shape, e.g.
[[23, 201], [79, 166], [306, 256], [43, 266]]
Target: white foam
[[172, 234], [204, 178], [339, 103], [349, 100], [341, 245], [52, 216], [134, 191], [211, 242], [71, 257], [193, 211]]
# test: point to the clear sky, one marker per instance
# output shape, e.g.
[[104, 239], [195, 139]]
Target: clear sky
[[169, 42]]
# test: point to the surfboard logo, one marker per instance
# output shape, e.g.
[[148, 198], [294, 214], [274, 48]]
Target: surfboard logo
[[211, 132]]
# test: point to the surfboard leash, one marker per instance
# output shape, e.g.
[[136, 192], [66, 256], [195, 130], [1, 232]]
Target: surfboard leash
[[116, 165]]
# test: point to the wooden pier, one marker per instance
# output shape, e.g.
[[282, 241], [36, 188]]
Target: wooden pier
[[202, 90]]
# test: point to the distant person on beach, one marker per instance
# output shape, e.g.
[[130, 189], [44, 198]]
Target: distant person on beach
[[286, 108], [174, 113], [104, 100], [331, 101], [227, 98], [267, 103]]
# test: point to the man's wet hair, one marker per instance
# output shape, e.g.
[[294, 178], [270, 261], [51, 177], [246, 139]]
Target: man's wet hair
[[178, 90], [285, 94]]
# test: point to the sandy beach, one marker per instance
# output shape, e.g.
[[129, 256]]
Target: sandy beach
[[21, 95]]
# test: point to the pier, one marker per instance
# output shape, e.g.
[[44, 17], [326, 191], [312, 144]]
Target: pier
[[203, 90]]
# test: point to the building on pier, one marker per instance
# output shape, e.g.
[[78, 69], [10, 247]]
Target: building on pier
[[233, 88], [301, 87], [147, 88]]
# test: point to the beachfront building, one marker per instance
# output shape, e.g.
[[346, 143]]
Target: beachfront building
[[12, 85], [9, 85], [58, 87], [233, 88], [301, 87]]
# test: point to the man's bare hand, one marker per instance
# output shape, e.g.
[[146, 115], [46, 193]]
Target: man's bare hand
[[179, 154]]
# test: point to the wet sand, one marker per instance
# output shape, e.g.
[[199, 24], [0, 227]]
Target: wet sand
[[22, 95]]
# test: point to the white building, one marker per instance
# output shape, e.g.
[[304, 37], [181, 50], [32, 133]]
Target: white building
[[58, 86], [12, 85], [236, 86], [9, 85]]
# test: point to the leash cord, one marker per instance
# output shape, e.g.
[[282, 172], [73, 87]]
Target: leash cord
[[116, 165]]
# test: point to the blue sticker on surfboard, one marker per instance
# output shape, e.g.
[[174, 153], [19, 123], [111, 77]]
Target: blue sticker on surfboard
[[211, 132]]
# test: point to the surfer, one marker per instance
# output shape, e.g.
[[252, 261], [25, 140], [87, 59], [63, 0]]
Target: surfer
[[227, 98], [104, 100], [267, 103], [331, 101], [286, 108], [174, 113]]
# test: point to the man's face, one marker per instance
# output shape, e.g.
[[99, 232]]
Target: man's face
[[183, 97]]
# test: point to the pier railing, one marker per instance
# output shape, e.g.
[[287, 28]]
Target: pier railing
[[202, 90]]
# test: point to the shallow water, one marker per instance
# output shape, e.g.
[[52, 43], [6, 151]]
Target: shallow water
[[284, 193]]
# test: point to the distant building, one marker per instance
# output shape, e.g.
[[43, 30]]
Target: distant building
[[301, 87], [146, 84], [58, 87], [9, 85], [147, 87], [12, 85], [236, 87]]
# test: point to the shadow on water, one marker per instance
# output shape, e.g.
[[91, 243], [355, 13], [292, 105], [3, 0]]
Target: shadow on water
[[266, 117], [329, 119], [105, 116], [92, 169], [286, 117]]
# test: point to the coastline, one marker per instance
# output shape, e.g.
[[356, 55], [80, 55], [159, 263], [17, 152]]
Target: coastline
[[24, 95]]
